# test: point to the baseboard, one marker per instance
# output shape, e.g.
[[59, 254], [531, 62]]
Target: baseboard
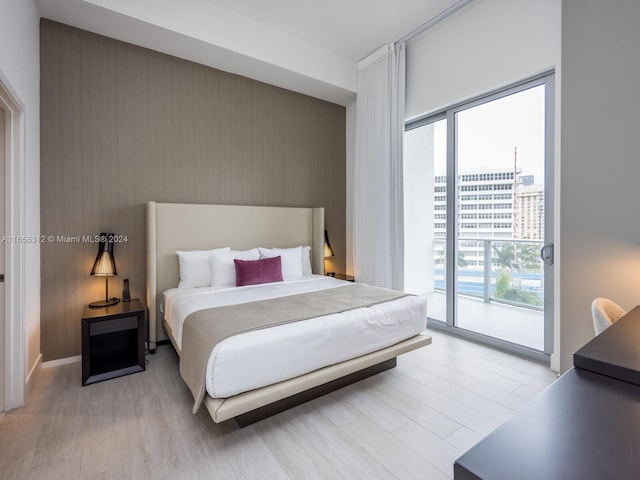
[[62, 361], [33, 375]]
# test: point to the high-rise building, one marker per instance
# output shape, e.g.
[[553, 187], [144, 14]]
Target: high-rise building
[[492, 204], [530, 204]]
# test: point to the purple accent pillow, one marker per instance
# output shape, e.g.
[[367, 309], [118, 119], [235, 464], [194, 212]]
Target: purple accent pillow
[[252, 272]]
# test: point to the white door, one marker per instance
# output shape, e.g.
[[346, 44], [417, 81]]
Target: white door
[[2, 203]]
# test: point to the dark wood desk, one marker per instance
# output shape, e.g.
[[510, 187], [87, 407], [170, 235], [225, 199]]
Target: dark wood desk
[[616, 351], [585, 426]]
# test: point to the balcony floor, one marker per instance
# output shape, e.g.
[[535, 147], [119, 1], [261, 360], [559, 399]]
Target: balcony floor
[[513, 324]]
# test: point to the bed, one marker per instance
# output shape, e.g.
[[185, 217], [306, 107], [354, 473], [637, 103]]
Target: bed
[[270, 388]]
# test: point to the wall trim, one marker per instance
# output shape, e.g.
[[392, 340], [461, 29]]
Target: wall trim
[[62, 361], [14, 341]]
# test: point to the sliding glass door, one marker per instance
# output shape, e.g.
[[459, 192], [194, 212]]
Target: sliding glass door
[[479, 194]]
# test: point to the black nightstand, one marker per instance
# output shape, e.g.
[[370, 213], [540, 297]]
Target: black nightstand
[[344, 276], [112, 341]]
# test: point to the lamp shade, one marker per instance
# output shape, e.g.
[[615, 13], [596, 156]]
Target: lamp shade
[[105, 264], [328, 251]]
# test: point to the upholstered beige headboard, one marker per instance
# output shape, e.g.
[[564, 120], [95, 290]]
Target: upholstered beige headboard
[[183, 226]]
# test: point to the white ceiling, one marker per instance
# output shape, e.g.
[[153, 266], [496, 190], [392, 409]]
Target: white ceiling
[[308, 47], [350, 28]]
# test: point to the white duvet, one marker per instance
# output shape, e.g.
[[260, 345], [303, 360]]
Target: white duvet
[[262, 357]]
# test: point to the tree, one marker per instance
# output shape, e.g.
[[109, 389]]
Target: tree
[[503, 283], [530, 256], [506, 291], [503, 255], [508, 256]]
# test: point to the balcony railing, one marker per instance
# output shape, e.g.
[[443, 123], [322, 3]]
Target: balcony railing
[[497, 270]]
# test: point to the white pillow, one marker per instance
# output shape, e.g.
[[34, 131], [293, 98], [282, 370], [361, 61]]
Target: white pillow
[[195, 267], [290, 258], [306, 260], [223, 270]]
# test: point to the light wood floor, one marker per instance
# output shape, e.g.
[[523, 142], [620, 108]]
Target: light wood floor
[[409, 422]]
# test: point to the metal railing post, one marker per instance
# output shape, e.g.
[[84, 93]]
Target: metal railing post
[[487, 271]]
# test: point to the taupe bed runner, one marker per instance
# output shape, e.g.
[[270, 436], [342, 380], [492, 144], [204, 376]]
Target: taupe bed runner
[[204, 329]]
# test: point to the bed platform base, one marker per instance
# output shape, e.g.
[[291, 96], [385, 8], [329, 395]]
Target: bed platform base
[[267, 411], [255, 405], [276, 398], [251, 407]]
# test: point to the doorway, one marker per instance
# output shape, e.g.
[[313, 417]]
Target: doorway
[[481, 172], [12, 256], [2, 234]]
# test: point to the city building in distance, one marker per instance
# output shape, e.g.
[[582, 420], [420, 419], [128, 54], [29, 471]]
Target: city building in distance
[[492, 204]]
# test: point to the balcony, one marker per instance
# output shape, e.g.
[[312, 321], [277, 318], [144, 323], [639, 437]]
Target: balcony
[[500, 289]]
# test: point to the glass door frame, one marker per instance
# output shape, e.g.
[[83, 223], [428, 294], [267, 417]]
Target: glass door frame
[[547, 79]]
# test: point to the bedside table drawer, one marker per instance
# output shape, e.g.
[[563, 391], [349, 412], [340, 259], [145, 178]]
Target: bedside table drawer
[[115, 325]]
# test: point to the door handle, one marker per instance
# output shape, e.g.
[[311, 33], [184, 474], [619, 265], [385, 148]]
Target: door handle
[[1, 277], [546, 254]]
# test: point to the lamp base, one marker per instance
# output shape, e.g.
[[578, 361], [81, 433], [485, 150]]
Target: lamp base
[[104, 303]]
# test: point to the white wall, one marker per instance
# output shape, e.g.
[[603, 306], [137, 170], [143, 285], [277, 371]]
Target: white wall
[[600, 162], [20, 67], [486, 45], [418, 173]]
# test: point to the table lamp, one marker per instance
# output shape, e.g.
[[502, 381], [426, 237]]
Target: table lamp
[[104, 266]]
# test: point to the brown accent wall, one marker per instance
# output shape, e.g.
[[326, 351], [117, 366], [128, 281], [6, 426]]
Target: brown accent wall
[[122, 125]]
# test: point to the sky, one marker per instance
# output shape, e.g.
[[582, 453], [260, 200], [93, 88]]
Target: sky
[[488, 133]]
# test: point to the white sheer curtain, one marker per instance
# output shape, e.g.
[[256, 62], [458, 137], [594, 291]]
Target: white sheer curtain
[[378, 227]]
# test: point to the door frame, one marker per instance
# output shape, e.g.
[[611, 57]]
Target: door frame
[[14, 340], [548, 79]]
